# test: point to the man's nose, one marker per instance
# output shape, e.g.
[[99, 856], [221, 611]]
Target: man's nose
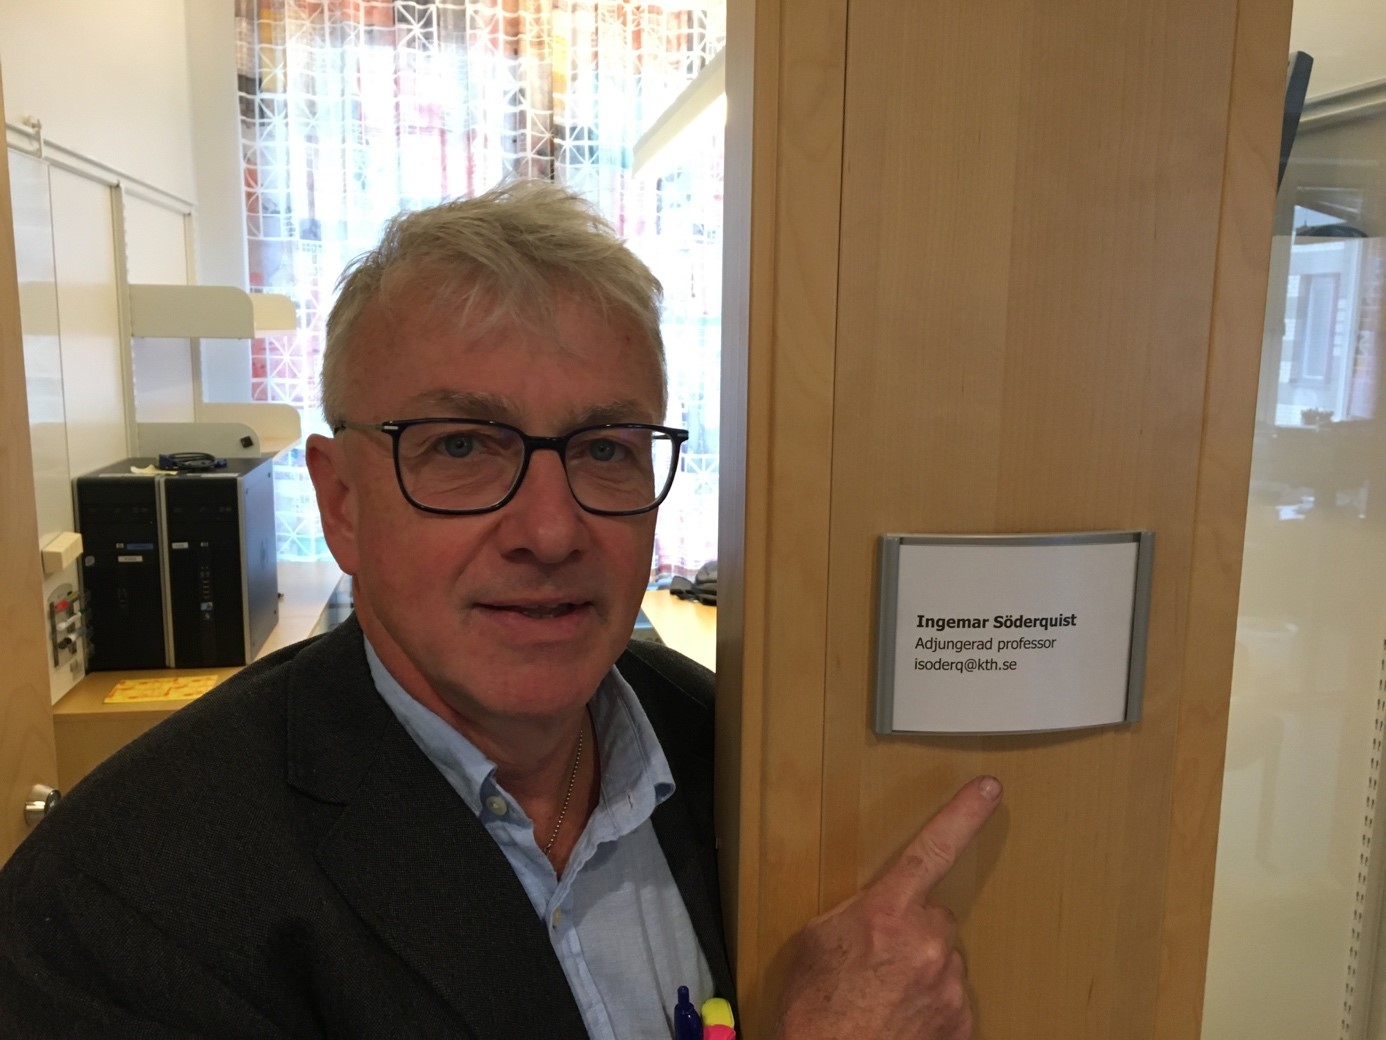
[[544, 519]]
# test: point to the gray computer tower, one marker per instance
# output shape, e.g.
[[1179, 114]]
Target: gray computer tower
[[179, 570]]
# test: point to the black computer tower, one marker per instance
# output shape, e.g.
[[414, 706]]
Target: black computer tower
[[122, 571], [179, 569]]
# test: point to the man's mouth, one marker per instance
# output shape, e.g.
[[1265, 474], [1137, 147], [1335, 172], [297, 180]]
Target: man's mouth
[[541, 612]]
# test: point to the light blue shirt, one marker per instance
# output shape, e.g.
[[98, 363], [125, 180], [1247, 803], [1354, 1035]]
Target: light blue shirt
[[616, 919]]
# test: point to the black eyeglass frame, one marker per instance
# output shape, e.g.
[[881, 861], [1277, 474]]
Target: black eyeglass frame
[[396, 427]]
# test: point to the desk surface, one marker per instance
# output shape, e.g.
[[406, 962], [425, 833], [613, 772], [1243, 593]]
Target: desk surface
[[688, 627], [303, 588]]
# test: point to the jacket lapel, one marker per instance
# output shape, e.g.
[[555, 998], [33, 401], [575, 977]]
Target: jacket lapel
[[684, 823], [691, 873], [413, 861]]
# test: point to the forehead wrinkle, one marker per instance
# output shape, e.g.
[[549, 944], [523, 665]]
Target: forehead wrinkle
[[461, 404]]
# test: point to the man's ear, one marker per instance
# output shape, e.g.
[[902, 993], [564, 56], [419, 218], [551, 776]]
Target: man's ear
[[332, 482]]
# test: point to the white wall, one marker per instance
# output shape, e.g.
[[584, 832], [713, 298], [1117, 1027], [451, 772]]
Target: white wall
[[115, 83], [108, 79], [147, 87], [216, 144], [1347, 39]]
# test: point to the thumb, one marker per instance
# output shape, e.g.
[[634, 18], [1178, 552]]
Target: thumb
[[932, 852]]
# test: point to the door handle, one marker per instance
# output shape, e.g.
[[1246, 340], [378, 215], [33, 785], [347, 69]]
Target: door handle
[[40, 803]]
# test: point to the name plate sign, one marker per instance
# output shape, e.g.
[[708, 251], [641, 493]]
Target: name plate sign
[[1011, 633]]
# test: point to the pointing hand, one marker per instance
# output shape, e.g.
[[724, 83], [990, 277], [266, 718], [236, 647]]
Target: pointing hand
[[884, 964]]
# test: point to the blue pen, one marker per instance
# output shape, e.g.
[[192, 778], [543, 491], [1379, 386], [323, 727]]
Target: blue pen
[[688, 1024]]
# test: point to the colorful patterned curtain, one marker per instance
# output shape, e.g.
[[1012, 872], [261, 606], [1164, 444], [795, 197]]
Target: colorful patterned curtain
[[352, 110]]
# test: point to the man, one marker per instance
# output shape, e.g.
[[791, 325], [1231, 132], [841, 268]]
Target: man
[[470, 810]]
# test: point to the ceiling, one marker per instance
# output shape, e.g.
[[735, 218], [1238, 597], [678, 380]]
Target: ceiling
[[1347, 40]]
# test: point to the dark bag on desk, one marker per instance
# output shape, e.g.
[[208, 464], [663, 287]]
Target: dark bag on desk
[[703, 587]]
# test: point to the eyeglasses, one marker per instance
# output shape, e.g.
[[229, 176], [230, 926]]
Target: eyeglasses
[[466, 466]]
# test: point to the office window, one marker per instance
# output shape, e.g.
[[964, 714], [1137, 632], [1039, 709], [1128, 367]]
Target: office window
[[352, 110]]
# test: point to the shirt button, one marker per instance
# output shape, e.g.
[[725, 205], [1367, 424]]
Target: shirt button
[[557, 918], [497, 805]]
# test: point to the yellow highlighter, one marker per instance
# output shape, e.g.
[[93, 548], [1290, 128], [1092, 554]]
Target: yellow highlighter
[[717, 1020]]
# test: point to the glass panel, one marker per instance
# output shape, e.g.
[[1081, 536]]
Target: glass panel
[[1293, 930]]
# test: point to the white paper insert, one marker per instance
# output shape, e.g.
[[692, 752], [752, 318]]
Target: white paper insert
[[1007, 637]]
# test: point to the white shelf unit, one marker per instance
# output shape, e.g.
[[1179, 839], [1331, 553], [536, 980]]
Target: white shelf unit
[[207, 312], [195, 313]]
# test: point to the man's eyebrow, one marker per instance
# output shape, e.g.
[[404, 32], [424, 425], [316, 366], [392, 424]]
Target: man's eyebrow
[[463, 404], [614, 412]]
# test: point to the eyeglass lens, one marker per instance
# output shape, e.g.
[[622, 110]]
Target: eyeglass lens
[[462, 466]]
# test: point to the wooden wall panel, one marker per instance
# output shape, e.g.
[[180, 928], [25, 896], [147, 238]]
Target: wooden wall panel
[[26, 722], [1240, 279], [1046, 238], [784, 81], [1071, 287]]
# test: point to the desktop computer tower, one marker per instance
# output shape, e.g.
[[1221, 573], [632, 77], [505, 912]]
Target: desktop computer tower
[[179, 570]]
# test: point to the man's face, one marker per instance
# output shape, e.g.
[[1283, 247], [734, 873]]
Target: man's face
[[510, 615]]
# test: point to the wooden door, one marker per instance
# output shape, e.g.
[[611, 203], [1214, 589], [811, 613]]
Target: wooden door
[[26, 716], [993, 268]]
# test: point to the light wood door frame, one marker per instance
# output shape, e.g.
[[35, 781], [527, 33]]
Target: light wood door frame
[[26, 715]]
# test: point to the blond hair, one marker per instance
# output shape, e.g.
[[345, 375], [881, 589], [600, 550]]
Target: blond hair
[[495, 259]]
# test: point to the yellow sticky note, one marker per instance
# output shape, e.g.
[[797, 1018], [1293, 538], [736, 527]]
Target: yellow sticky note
[[173, 688]]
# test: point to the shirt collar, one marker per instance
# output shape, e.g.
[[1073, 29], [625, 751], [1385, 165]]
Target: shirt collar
[[635, 773]]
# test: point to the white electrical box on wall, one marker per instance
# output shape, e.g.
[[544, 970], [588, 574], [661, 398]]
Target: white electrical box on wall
[[61, 552], [1011, 633]]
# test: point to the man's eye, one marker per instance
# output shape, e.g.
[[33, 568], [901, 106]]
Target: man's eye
[[604, 450], [457, 445]]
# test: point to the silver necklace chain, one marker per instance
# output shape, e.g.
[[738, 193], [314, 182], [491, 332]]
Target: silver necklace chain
[[567, 796]]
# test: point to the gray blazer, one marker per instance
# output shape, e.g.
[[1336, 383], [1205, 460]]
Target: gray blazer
[[279, 859]]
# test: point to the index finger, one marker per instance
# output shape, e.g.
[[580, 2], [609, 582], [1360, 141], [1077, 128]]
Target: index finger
[[932, 852]]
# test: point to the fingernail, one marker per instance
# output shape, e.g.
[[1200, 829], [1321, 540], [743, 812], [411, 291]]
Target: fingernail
[[990, 788]]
